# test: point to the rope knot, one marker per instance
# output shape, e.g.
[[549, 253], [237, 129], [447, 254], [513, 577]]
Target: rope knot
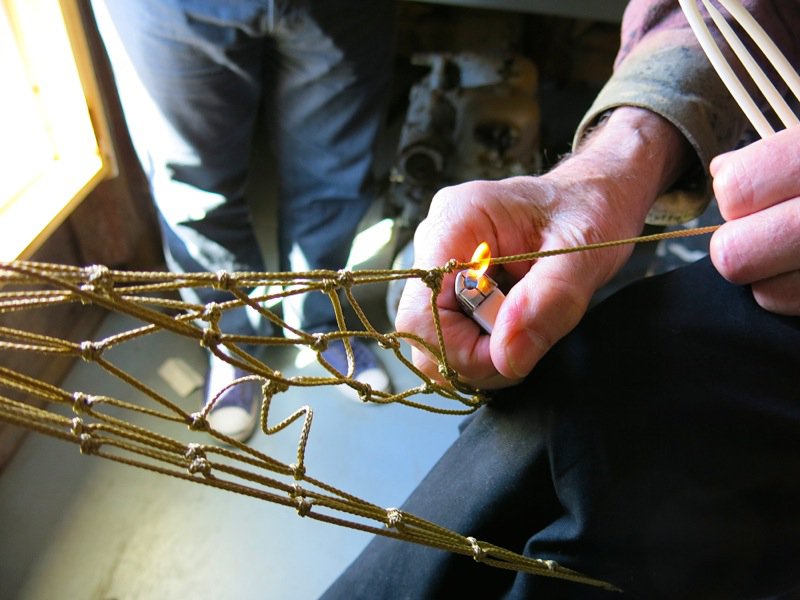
[[450, 266], [365, 393], [345, 278], [478, 553], [80, 430], [98, 280], [78, 426], [394, 517], [91, 351], [433, 279], [193, 451], [303, 506], [274, 386], [211, 337], [298, 471], [329, 285], [211, 313], [319, 343], [364, 389], [297, 491], [447, 372], [88, 444], [200, 465], [197, 422], [82, 403], [389, 342], [223, 280]]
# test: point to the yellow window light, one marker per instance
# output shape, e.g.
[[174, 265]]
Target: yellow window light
[[50, 156]]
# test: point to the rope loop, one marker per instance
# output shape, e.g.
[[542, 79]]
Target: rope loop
[[91, 351]]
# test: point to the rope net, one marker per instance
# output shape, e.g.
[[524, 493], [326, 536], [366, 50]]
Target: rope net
[[104, 426]]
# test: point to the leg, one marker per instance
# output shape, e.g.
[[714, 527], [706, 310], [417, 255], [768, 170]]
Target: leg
[[190, 85], [332, 81], [189, 76], [655, 447]]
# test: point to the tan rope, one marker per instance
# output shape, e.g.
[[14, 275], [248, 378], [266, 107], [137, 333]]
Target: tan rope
[[234, 466]]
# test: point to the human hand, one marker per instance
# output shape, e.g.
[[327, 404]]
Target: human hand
[[548, 297], [601, 193], [758, 191]]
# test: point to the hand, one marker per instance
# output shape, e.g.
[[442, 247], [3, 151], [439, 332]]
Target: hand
[[758, 191], [601, 193]]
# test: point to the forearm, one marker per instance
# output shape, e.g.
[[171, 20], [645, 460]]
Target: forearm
[[661, 67], [629, 159]]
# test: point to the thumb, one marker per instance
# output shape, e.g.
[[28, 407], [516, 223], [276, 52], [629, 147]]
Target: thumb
[[545, 305]]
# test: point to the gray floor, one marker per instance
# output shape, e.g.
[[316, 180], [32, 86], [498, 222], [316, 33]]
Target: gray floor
[[73, 526]]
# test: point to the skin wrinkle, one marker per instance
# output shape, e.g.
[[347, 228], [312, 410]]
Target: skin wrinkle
[[778, 294]]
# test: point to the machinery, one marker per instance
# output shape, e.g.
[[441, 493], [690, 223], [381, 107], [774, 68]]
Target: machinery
[[473, 116]]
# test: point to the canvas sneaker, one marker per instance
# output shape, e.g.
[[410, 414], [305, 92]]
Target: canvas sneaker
[[368, 368], [235, 413]]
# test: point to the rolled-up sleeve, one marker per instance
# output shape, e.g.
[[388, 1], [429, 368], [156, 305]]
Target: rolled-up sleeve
[[661, 67]]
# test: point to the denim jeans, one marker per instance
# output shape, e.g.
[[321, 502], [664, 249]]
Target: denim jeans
[[656, 447], [196, 77]]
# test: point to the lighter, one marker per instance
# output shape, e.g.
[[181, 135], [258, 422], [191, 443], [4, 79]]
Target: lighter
[[478, 293]]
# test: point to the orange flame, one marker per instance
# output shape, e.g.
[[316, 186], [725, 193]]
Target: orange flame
[[481, 257]]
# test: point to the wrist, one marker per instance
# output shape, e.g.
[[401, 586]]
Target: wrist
[[635, 155]]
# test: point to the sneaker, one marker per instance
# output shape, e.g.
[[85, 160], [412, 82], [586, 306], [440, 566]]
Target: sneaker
[[235, 412], [367, 367]]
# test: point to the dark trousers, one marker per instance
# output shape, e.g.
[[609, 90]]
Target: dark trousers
[[656, 447]]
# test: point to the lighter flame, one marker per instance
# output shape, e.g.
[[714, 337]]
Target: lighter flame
[[481, 257]]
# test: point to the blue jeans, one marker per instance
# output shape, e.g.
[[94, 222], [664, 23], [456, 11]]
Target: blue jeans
[[196, 77], [656, 447]]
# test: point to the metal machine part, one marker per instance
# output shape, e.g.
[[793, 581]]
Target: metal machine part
[[471, 117]]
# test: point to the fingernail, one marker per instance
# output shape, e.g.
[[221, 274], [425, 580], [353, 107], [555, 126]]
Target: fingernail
[[520, 354]]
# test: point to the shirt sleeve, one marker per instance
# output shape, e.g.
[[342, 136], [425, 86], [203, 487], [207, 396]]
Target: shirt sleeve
[[661, 67]]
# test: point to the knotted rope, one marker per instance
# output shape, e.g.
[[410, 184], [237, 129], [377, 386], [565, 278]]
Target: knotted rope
[[151, 298]]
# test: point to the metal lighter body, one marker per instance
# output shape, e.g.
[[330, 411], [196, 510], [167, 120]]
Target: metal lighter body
[[480, 298]]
